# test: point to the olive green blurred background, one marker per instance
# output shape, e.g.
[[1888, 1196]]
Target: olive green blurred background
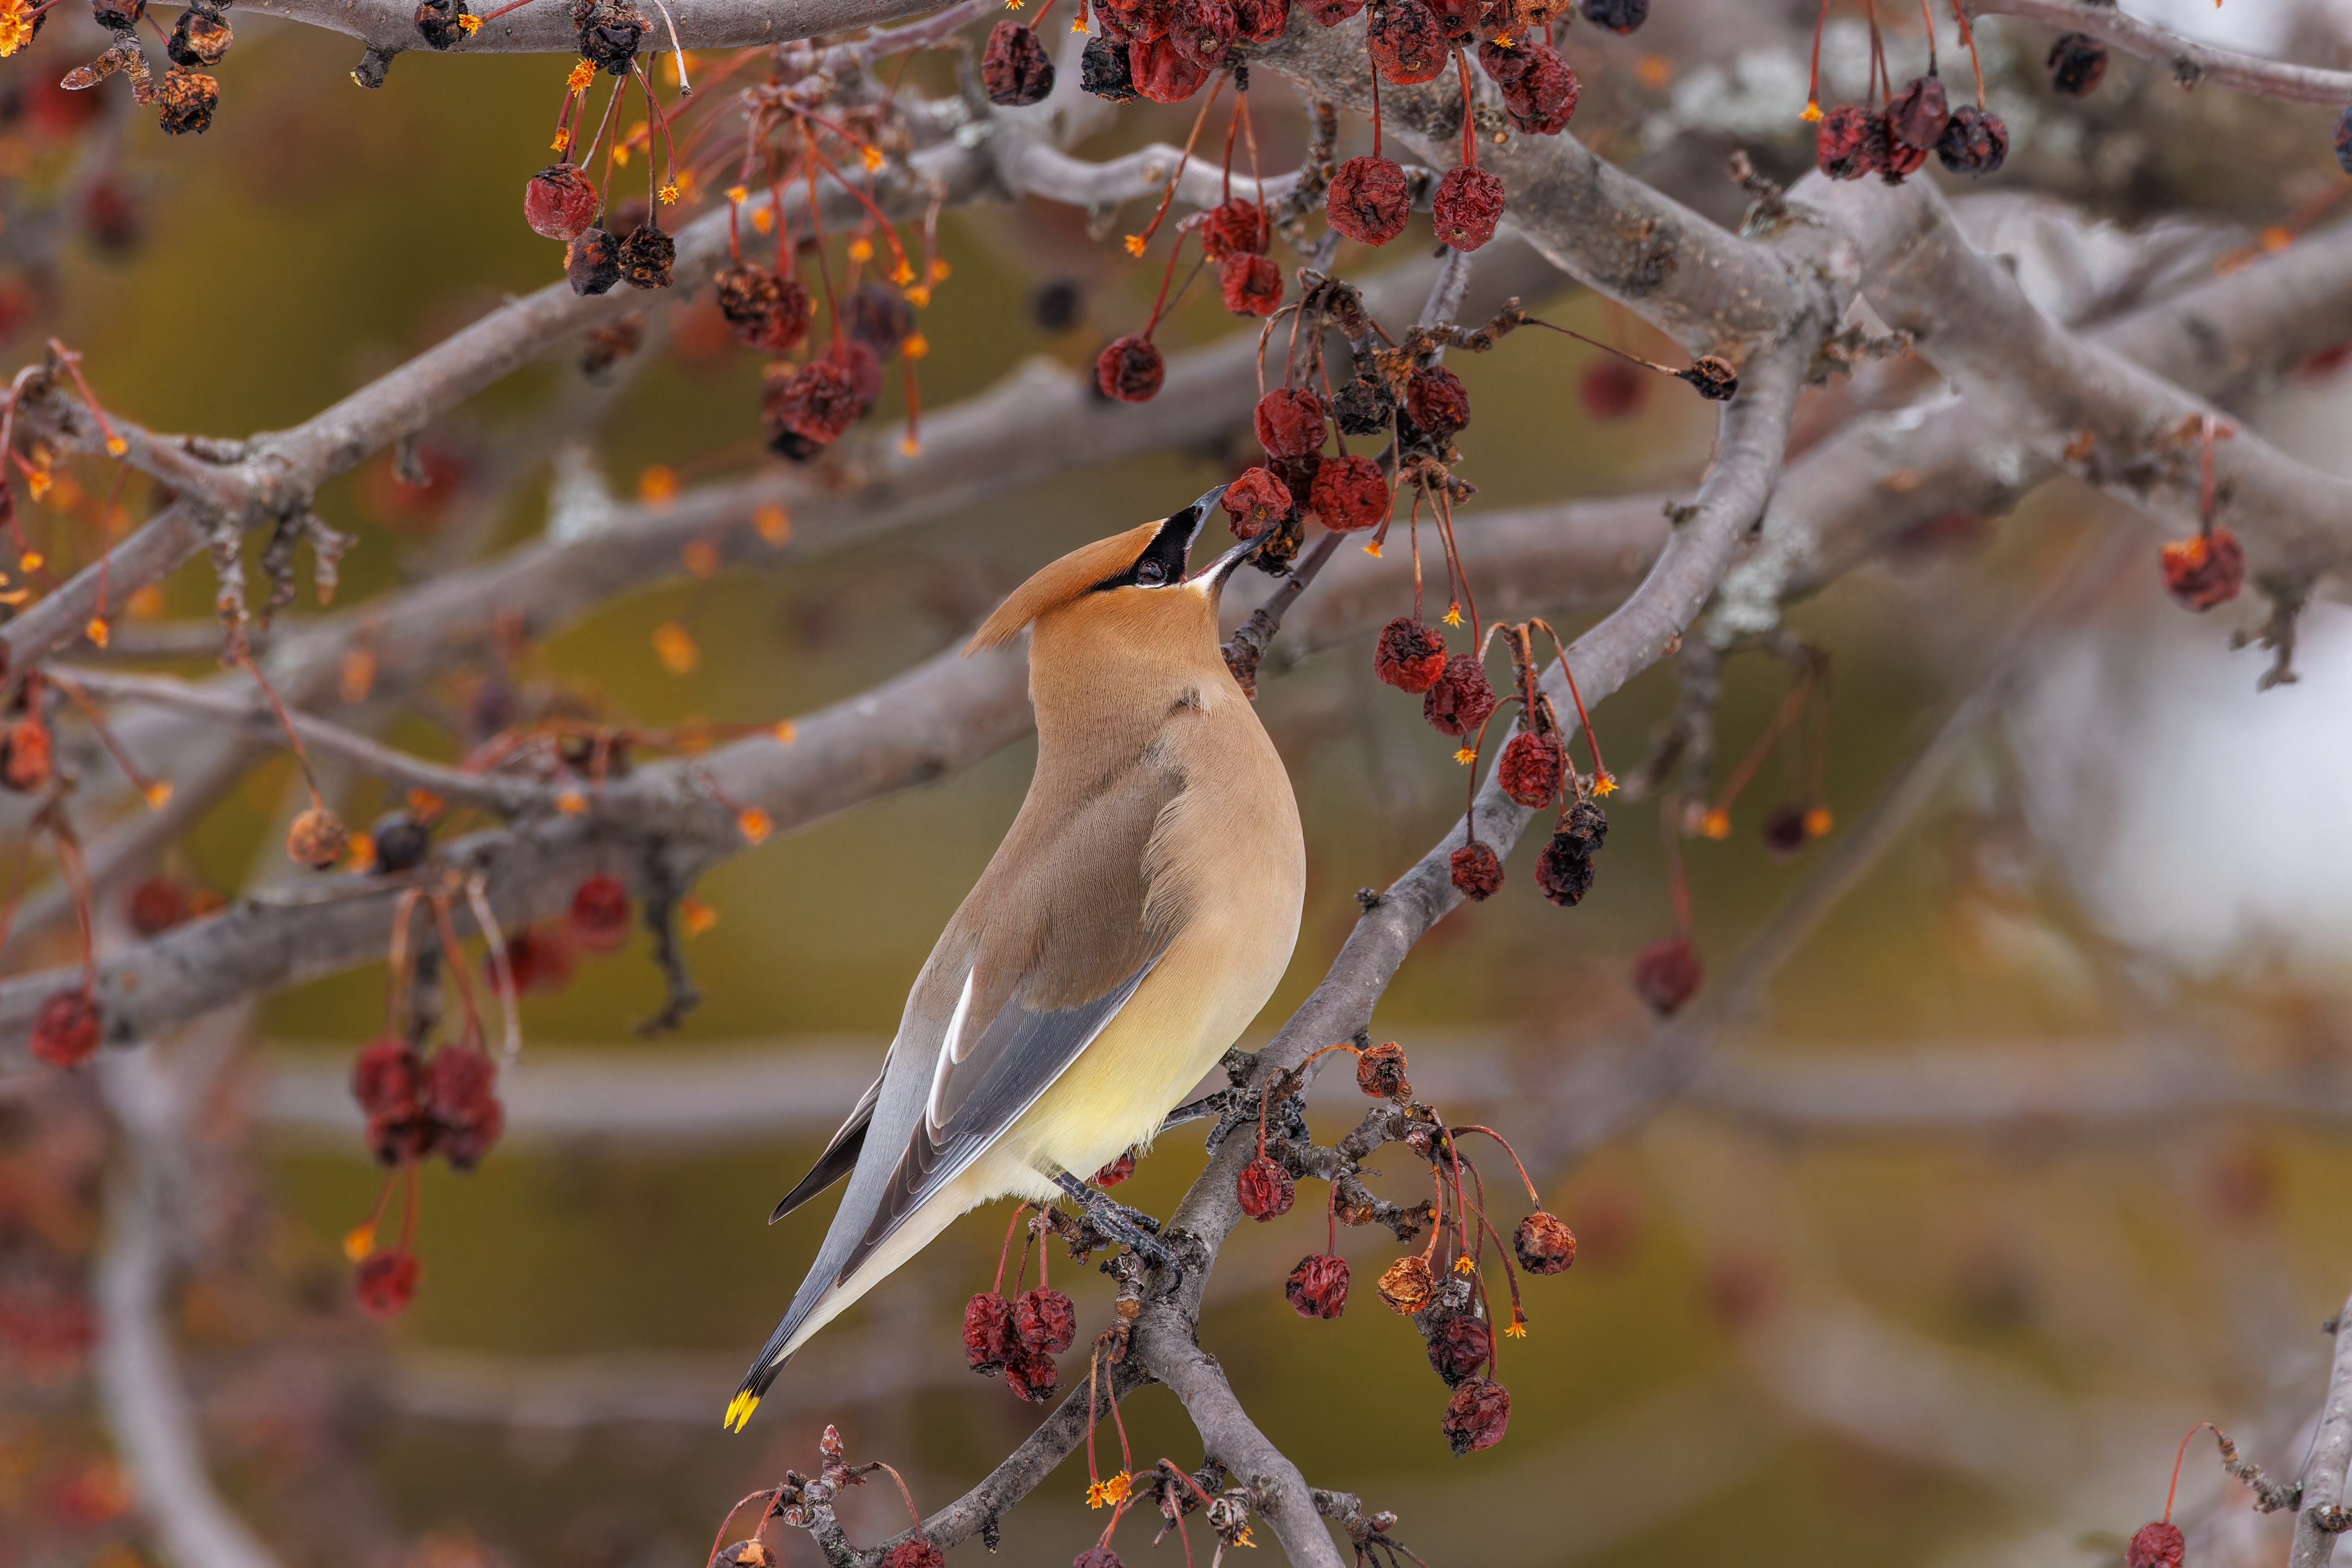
[[319, 234]]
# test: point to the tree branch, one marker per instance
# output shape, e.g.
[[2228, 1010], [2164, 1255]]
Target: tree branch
[[2193, 64]]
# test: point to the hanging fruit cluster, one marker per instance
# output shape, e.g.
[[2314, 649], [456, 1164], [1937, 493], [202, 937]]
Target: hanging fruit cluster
[[1892, 140]]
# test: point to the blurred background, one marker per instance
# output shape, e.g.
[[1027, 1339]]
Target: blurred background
[[2030, 1158]]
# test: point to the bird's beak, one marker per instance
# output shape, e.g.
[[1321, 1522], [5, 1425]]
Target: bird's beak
[[1196, 517], [1214, 575]]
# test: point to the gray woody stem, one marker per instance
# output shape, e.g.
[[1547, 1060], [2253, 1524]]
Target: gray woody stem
[[2331, 1453]]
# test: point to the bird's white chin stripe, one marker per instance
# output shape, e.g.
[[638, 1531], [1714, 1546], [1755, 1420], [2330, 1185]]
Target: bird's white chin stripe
[[951, 1052]]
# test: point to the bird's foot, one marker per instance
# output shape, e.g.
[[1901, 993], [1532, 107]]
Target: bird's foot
[[1131, 1228]]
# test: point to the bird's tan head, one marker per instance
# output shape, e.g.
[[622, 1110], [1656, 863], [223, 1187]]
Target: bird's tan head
[[1119, 576]]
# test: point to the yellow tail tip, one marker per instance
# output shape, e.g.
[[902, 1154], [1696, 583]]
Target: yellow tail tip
[[739, 1410]]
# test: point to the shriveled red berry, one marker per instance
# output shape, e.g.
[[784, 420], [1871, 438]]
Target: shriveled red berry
[[1102, 1557], [1317, 1288], [1666, 974], [1919, 114], [1015, 70], [1466, 208], [2159, 1544], [1889, 155], [1030, 1373], [558, 202], [1976, 142], [1369, 200], [65, 1028], [1505, 63], [1841, 140], [1564, 870], [1438, 402], [1104, 69], [1144, 19], [600, 913], [1611, 389], [1532, 768], [918, 1553], [1130, 370], [1543, 100], [1117, 1170], [538, 958], [185, 101], [1162, 73], [857, 359], [1261, 21], [1406, 43], [1250, 284], [386, 1282], [1544, 1244], [1379, 1072], [318, 838], [1476, 1417], [388, 1078], [461, 1089], [1046, 1321], [1289, 422], [27, 756], [1461, 699], [1255, 502], [766, 311], [1460, 1347], [816, 401], [1349, 494], [592, 262], [1202, 30], [1477, 870], [1617, 15], [157, 905], [1458, 19], [1331, 12], [2078, 63], [1266, 1189], [2204, 571], [1410, 654], [1238, 226], [987, 1337]]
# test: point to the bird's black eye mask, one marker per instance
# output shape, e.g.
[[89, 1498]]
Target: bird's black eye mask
[[1163, 560]]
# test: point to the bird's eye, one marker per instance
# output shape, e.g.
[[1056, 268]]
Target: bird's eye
[[1151, 574]]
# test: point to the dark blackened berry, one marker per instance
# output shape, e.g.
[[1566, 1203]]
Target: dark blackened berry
[[1438, 402], [1977, 142], [1363, 406], [1841, 147], [1406, 43], [1289, 422], [1714, 378], [1410, 655], [1543, 100], [438, 21], [1667, 973], [1917, 116], [1477, 870], [766, 311], [879, 317], [1102, 69], [185, 101], [2344, 142], [1016, 71], [1130, 370], [1255, 502], [1250, 284], [1586, 825], [1784, 830], [1349, 494], [1317, 1288], [1054, 304], [401, 842], [1162, 73], [593, 261], [1461, 699], [1476, 1417], [2077, 63], [1564, 870], [1617, 15], [121, 15], [1370, 200], [647, 257], [1202, 30], [1467, 205], [609, 33], [200, 37]]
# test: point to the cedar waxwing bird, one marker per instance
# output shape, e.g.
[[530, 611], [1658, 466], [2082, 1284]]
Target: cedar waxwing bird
[[1139, 913]]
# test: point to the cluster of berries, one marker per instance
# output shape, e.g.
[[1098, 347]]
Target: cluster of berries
[[185, 97], [1018, 1340]]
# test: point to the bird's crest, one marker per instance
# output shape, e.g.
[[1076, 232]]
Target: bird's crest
[[1058, 584]]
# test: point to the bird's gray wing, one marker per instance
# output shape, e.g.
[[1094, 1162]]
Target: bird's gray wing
[[840, 1156]]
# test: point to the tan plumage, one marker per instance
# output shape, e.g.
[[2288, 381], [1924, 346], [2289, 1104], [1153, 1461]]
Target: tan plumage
[[1139, 913]]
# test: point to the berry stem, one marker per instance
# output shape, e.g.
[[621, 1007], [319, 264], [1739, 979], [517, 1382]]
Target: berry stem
[[1969, 36], [1813, 83], [1137, 242], [1928, 16], [1791, 707], [2182, 1454], [439, 902], [1004, 1253], [286, 722], [1592, 737], [912, 1511], [144, 782], [1469, 136], [685, 87], [1514, 1153], [115, 444]]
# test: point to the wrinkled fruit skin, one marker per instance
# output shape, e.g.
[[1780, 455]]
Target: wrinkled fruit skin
[[185, 101], [1255, 502], [1331, 12], [466, 1115], [816, 402], [609, 33], [436, 22], [1370, 200], [1266, 1189], [1438, 402], [647, 257], [1477, 871], [1977, 142], [766, 311], [1410, 655], [1363, 406], [1117, 1170], [65, 1028], [1031, 1376], [1617, 15], [1714, 378], [2202, 572], [1234, 227], [1016, 71], [318, 838], [600, 913], [1544, 1244], [1407, 43], [1250, 284], [1104, 71], [1462, 699], [1889, 155], [1611, 389], [201, 38], [1046, 1321], [1261, 21], [2156, 1545], [386, 1282], [1350, 493], [1097, 1557], [1162, 73], [1130, 370], [1505, 66], [917, 1553], [1317, 1288], [592, 262], [1666, 974], [987, 1337], [388, 1078], [1467, 205], [1379, 1073], [559, 203], [1289, 423], [1202, 30], [1532, 768], [1460, 1347], [1135, 19], [1476, 1417], [1543, 100], [2078, 63], [1917, 116], [1564, 870], [1406, 1285], [1841, 140]]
